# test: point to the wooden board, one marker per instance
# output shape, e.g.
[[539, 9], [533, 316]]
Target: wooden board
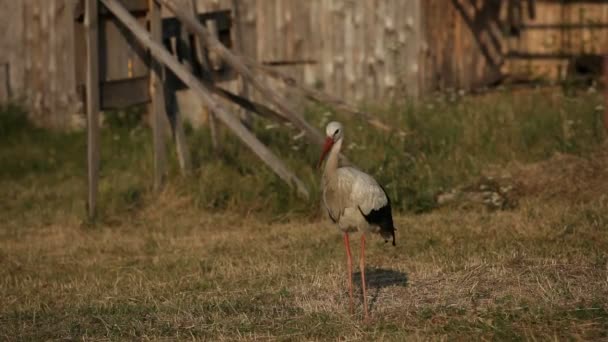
[[136, 7], [158, 105], [92, 83]]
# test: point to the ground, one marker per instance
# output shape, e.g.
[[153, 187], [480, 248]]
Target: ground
[[537, 272], [172, 266]]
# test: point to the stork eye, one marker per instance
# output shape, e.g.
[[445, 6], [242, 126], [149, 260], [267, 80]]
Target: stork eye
[[336, 132]]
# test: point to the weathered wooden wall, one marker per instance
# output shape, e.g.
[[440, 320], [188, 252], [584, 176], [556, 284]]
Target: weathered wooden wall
[[39, 51], [561, 31], [459, 49], [472, 43], [362, 51]]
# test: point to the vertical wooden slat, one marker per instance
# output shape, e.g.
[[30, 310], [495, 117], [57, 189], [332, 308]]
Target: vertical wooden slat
[[239, 49], [92, 93], [311, 72], [338, 46], [158, 99], [326, 69], [181, 145], [349, 45], [370, 65], [605, 67], [213, 129]]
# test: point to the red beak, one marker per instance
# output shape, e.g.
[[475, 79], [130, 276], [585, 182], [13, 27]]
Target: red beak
[[329, 142]]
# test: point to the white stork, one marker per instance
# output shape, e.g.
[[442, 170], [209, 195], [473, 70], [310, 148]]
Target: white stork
[[355, 201]]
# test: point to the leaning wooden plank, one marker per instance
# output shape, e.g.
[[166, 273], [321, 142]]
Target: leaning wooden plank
[[321, 97], [249, 105], [162, 55], [235, 62], [92, 84], [158, 101]]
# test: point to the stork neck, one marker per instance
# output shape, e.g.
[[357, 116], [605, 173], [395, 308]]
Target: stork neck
[[332, 159]]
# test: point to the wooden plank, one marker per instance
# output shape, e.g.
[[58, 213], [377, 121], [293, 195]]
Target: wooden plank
[[184, 49], [136, 7], [123, 93], [248, 105], [120, 94], [236, 63], [158, 100], [121, 58], [239, 22], [92, 84], [199, 46], [161, 54]]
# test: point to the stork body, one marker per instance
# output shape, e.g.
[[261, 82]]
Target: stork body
[[355, 202]]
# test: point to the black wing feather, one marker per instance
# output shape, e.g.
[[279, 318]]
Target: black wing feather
[[383, 218]]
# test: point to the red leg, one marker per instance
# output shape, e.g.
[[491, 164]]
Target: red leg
[[349, 261], [362, 267]]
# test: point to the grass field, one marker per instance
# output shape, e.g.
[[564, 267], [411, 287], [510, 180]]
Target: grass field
[[229, 253]]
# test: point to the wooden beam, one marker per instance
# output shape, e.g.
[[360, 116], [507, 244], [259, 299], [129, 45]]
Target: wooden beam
[[157, 93], [179, 134], [321, 97], [137, 7], [249, 105], [199, 49], [162, 55], [235, 62], [605, 72], [238, 47], [92, 84]]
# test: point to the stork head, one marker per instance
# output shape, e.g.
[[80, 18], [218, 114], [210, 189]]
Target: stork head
[[334, 132]]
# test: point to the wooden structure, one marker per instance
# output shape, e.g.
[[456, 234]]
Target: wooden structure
[[134, 37], [470, 44], [132, 41], [359, 51]]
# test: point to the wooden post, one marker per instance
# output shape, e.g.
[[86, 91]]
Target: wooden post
[[158, 111], [605, 67], [162, 55], [238, 47], [92, 93], [199, 49]]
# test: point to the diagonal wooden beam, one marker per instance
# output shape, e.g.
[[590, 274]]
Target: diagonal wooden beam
[[161, 54], [249, 105], [321, 97], [213, 44]]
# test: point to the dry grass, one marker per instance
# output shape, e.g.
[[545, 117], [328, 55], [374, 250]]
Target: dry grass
[[179, 266], [170, 271]]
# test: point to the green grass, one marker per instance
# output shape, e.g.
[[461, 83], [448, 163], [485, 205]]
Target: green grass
[[230, 253], [451, 141]]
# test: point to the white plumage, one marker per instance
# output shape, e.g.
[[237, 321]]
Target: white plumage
[[354, 201], [352, 195]]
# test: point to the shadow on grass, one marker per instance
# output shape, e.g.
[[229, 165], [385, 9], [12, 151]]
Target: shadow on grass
[[378, 278]]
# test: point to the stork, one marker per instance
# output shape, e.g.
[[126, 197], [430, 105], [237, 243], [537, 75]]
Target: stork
[[355, 202]]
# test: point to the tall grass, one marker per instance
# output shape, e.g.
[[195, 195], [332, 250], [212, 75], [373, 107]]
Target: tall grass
[[451, 140]]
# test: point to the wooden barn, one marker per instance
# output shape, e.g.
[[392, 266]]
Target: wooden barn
[[360, 51]]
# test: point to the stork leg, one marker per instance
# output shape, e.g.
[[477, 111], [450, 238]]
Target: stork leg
[[362, 267], [349, 260]]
